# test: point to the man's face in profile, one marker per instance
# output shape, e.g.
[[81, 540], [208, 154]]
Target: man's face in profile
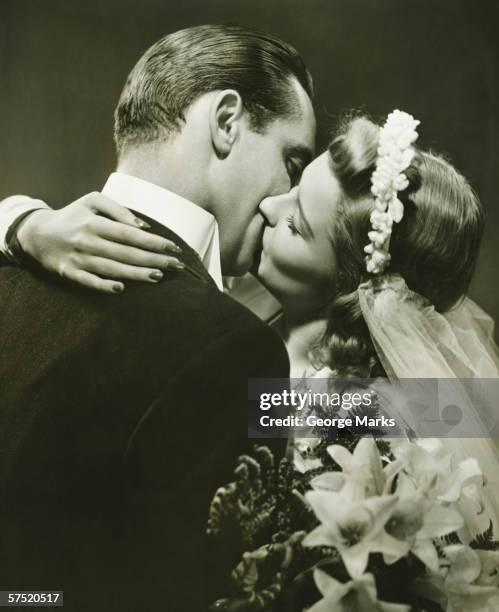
[[262, 165]]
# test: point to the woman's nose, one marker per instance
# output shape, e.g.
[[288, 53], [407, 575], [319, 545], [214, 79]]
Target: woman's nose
[[268, 209], [274, 207]]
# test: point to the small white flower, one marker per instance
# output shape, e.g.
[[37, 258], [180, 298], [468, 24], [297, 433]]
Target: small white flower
[[395, 154]]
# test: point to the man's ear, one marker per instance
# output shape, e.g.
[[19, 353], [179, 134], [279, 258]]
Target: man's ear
[[226, 111]]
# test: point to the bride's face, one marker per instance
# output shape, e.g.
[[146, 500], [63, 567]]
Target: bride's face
[[298, 263]]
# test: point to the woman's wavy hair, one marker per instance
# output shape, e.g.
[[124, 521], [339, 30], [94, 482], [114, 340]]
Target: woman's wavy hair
[[434, 248]]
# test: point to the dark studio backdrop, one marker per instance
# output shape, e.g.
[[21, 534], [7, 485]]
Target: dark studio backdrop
[[63, 64]]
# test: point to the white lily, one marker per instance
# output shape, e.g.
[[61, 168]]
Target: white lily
[[359, 595], [424, 461], [363, 473], [418, 521], [428, 464], [354, 527], [470, 583], [362, 469], [465, 482]]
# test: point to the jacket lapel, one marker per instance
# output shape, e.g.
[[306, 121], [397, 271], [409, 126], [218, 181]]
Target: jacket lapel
[[188, 257]]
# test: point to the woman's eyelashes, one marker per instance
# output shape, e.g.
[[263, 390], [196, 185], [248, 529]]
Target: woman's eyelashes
[[292, 225]]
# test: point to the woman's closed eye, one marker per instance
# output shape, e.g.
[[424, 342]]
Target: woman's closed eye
[[290, 220]]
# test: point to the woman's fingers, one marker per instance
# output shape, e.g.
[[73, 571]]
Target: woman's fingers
[[92, 281], [133, 236], [101, 204], [87, 248], [109, 268], [132, 255], [115, 216]]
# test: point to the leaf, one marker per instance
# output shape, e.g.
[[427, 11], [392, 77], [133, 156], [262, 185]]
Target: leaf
[[485, 541]]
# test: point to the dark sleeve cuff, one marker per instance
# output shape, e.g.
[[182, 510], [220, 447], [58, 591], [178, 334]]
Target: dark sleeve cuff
[[15, 253]]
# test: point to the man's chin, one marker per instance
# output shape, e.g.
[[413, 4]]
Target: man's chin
[[244, 263], [256, 262], [237, 268]]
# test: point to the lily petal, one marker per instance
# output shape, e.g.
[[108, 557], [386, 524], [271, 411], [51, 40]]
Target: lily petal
[[325, 504], [381, 508], [320, 536], [392, 549], [466, 470], [342, 456], [355, 559], [465, 564], [440, 521], [328, 481], [426, 552], [326, 584]]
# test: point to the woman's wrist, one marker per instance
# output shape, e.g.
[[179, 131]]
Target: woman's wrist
[[17, 240]]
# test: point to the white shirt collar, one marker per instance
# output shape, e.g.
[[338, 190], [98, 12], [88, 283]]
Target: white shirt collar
[[192, 223]]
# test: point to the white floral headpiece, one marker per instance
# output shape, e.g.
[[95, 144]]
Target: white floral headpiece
[[395, 154]]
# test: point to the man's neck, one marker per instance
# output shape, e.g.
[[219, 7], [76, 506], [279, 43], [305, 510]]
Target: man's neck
[[167, 168]]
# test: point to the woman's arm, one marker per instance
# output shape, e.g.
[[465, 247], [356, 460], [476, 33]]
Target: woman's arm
[[93, 241], [11, 209]]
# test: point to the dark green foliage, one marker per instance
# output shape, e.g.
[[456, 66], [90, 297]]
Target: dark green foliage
[[485, 540]]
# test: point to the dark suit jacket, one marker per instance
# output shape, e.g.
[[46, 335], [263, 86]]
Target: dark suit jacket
[[119, 417]]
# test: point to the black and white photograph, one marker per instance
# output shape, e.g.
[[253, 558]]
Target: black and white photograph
[[248, 294]]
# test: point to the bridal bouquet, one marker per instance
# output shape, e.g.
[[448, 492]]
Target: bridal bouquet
[[362, 525]]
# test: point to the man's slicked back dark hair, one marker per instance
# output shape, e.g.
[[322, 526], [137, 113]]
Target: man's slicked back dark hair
[[186, 64]]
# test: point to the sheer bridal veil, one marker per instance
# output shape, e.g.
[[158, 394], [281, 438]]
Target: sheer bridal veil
[[415, 341]]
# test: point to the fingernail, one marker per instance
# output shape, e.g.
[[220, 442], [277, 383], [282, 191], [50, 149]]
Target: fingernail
[[118, 288], [173, 247], [141, 223], [176, 265], [156, 275]]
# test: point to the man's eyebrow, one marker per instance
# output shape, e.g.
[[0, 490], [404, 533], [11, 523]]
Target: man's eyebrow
[[304, 219]]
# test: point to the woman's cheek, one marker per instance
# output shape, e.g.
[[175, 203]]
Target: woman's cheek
[[278, 246], [292, 259]]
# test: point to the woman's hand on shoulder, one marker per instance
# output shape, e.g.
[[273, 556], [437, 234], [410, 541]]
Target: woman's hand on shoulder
[[97, 243]]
